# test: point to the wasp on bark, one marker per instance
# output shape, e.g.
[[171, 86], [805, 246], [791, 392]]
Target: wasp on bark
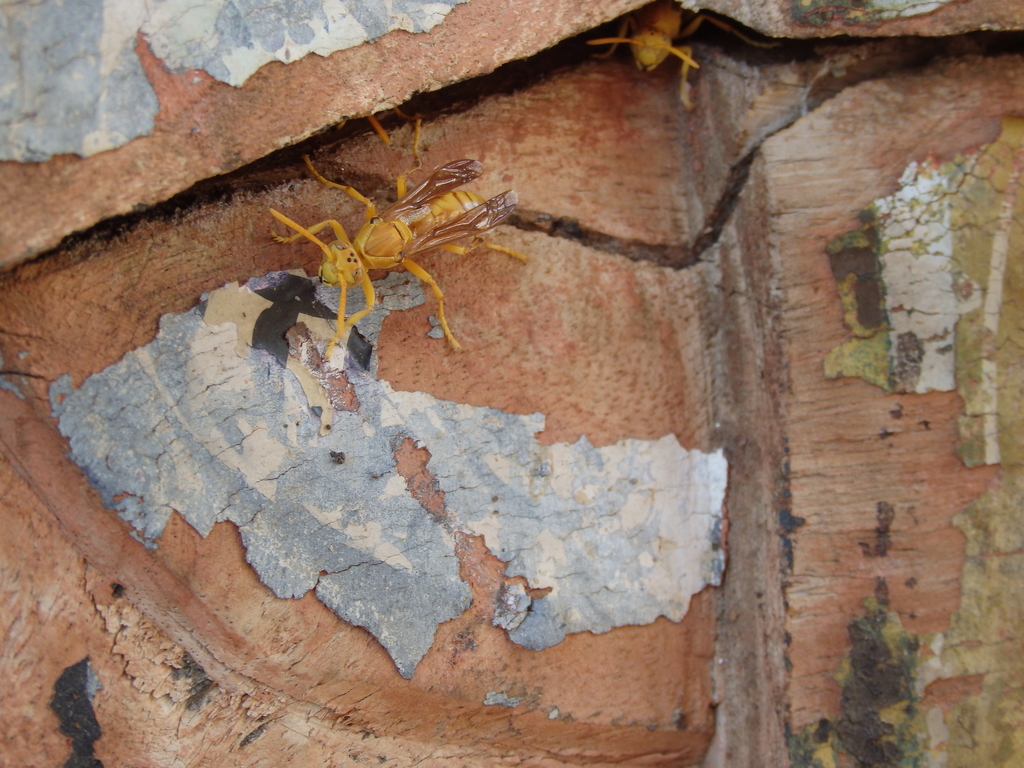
[[650, 33], [433, 214]]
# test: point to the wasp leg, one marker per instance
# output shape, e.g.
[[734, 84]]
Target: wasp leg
[[417, 121], [700, 17], [383, 134], [379, 129], [371, 209], [462, 250], [340, 325], [626, 27], [502, 249], [344, 325], [684, 85], [423, 275]]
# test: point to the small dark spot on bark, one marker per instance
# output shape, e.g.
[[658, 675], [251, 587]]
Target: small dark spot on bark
[[116, 590], [189, 669], [897, 412], [253, 735], [360, 349], [885, 513], [72, 703], [338, 457], [882, 591], [200, 695], [907, 366], [789, 522], [822, 731], [911, 582], [202, 687], [787, 551]]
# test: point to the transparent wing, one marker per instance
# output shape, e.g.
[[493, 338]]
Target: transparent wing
[[485, 216], [440, 181]]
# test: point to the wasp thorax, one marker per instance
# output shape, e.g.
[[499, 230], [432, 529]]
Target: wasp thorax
[[386, 240]]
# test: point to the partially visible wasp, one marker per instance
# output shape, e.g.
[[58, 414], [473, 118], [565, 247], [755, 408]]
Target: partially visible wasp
[[433, 214], [653, 29]]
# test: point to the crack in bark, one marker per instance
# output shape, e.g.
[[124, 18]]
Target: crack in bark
[[672, 256], [675, 256]]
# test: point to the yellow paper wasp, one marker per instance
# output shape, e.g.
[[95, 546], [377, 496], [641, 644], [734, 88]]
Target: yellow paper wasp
[[654, 27], [433, 214]]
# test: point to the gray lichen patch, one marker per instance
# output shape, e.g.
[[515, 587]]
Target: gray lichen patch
[[231, 39], [196, 423], [71, 82], [496, 698]]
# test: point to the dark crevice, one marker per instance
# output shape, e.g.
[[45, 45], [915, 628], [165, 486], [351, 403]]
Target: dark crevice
[[24, 374], [676, 256], [673, 256], [723, 210], [282, 166]]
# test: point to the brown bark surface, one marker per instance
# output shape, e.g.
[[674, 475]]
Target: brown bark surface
[[606, 347]]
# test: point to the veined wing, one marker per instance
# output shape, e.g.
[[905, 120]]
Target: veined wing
[[441, 180], [485, 216]]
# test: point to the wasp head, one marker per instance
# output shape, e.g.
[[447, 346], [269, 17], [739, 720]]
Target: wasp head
[[650, 48], [341, 265]]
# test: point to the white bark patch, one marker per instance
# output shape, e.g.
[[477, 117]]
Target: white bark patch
[[925, 291], [75, 83], [621, 534]]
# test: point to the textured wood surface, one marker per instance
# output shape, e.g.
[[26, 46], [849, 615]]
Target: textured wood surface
[[679, 281], [875, 479], [574, 333]]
